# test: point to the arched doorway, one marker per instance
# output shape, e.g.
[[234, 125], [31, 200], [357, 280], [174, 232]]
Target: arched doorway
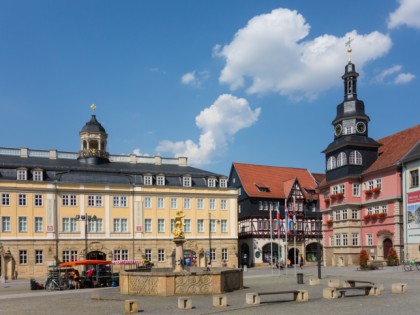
[[291, 255], [96, 255], [387, 244], [311, 251], [244, 255], [266, 251]]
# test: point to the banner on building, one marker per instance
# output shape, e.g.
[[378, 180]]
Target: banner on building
[[413, 217]]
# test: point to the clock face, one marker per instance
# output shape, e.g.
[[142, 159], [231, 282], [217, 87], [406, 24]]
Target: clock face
[[338, 129], [361, 127]]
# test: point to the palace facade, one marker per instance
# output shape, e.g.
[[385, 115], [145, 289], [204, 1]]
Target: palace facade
[[63, 206]]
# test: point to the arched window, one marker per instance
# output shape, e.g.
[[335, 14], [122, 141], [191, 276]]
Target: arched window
[[355, 158], [331, 164], [341, 159]]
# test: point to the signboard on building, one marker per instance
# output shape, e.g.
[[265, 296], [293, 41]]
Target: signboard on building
[[413, 217]]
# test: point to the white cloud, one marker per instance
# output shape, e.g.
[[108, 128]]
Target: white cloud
[[408, 13], [404, 78], [218, 123], [387, 72], [272, 53], [194, 79]]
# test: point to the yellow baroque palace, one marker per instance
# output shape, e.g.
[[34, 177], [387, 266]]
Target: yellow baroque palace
[[63, 206]]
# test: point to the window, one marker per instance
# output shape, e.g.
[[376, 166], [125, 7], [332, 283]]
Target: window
[[94, 201], [95, 225], [200, 203], [161, 225], [120, 254], [344, 214], [223, 226], [356, 190], [225, 254], [120, 225], [414, 178], [341, 188], [369, 210], [22, 199], [212, 204], [337, 215], [187, 203], [260, 205], [369, 239], [5, 224], [69, 200], [119, 201], [148, 254], [223, 204], [186, 181], [338, 240], [341, 159], [39, 224], [161, 255], [69, 255], [371, 185], [173, 225], [161, 203], [174, 203], [212, 253], [69, 225], [212, 226], [148, 225], [21, 174], [187, 225], [379, 182], [223, 183], [331, 239], [23, 224], [335, 190], [345, 239], [23, 257], [355, 158], [160, 180], [211, 182], [331, 164], [354, 214], [148, 202], [376, 209], [38, 200], [355, 239], [148, 180], [38, 257], [384, 209], [5, 199], [200, 225], [37, 176]]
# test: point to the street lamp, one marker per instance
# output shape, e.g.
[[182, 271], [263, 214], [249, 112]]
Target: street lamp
[[87, 219]]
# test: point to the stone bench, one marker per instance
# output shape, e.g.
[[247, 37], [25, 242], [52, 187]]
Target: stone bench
[[298, 296], [334, 293]]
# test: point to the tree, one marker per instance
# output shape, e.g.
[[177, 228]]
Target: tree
[[392, 259], [363, 259]]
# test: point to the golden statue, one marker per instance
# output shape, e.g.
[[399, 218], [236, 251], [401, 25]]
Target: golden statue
[[178, 231]]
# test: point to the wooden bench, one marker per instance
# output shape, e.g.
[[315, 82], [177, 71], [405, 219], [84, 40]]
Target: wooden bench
[[352, 283], [342, 291], [298, 296]]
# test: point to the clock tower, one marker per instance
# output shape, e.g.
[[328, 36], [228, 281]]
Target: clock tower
[[352, 151]]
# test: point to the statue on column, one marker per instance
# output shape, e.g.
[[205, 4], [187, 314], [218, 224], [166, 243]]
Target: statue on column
[[178, 229]]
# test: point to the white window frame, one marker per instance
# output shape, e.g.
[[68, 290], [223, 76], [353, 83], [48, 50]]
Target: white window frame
[[223, 226], [161, 225], [69, 200], [148, 180], [5, 199], [119, 201], [22, 200], [186, 181], [341, 159], [200, 226], [187, 203], [37, 176], [212, 204], [174, 203], [120, 225], [187, 225], [223, 204], [355, 158], [160, 180], [161, 255], [223, 183], [95, 201], [22, 175], [355, 239], [23, 257], [38, 200], [148, 254], [356, 189], [39, 224], [147, 202], [22, 224], [148, 225], [6, 225], [211, 182], [39, 257], [160, 202], [369, 239], [200, 203], [225, 254]]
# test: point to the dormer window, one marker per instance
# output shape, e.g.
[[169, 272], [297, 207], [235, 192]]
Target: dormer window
[[148, 180], [186, 181], [223, 183], [211, 182], [262, 187], [341, 159], [160, 180], [22, 174], [37, 176]]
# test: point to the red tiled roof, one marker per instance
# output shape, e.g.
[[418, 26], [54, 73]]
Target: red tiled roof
[[279, 179], [394, 148]]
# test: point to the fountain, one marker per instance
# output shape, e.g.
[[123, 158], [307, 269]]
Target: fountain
[[178, 281]]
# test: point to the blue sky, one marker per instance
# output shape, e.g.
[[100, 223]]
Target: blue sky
[[218, 81]]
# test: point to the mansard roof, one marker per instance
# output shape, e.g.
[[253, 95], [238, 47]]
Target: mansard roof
[[278, 179], [394, 148]]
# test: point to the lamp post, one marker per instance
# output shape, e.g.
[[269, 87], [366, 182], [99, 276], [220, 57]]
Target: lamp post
[[87, 219], [319, 234]]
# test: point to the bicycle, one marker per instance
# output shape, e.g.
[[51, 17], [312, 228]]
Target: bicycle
[[410, 264], [52, 285]]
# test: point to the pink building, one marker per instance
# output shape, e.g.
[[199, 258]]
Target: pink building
[[361, 198]]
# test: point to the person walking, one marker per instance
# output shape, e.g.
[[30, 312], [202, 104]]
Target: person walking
[[76, 278], [301, 262]]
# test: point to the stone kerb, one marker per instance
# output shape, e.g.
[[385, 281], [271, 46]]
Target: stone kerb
[[220, 300], [333, 283], [253, 298], [302, 296], [130, 307], [184, 303], [314, 281], [330, 293], [399, 287]]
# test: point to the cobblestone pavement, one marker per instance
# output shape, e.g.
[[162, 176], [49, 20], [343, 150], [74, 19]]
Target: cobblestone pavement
[[17, 298]]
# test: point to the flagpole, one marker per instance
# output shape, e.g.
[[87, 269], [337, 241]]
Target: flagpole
[[279, 257], [271, 239], [294, 232], [286, 218]]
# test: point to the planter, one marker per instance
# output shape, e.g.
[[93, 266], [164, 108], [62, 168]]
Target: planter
[[368, 192], [374, 216], [376, 190], [329, 223], [367, 217], [382, 215]]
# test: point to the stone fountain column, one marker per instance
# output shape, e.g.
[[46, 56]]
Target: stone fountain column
[[179, 254]]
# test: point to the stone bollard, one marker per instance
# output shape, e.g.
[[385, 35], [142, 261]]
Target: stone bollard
[[253, 298], [313, 281], [399, 287], [375, 291], [333, 283], [330, 293], [130, 307], [219, 300], [301, 296], [184, 303]]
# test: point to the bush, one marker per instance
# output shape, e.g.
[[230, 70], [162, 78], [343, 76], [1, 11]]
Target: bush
[[392, 259], [363, 259]]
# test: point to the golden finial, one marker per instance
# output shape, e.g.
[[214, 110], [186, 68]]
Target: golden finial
[[93, 107], [349, 50]]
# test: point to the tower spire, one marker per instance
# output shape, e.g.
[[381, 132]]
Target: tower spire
[[349, 50]]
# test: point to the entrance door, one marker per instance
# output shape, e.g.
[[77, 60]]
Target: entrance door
[[291, 255], [96, 255], [387, 244]]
